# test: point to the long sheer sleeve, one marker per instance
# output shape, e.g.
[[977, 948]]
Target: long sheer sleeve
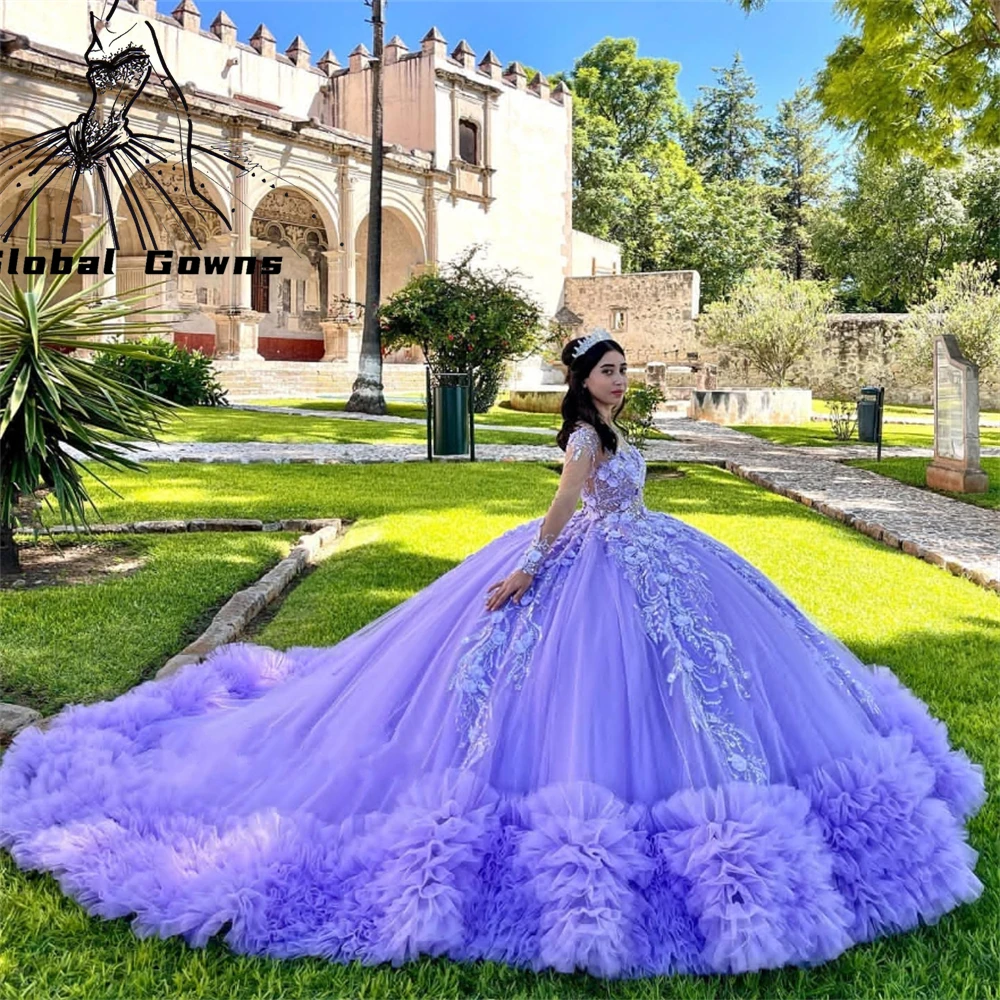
[[579, 462]]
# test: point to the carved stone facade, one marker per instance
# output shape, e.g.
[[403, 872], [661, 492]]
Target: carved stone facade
[[476, 153]]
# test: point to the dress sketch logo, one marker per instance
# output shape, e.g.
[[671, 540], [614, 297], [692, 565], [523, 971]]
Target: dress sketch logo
[[155, 173]]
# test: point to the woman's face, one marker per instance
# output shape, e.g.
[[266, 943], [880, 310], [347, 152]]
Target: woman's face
[[608, 379]]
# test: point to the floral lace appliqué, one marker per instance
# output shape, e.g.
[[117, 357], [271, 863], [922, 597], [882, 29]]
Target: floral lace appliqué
[[506, 640]]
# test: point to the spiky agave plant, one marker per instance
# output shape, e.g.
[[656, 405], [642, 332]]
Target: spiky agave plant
[[50, 400]]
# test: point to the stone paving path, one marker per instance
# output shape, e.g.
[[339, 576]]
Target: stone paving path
[[664, 422], [960, 537]]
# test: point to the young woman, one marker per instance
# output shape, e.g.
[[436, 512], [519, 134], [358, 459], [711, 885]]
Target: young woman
[[603, 741]]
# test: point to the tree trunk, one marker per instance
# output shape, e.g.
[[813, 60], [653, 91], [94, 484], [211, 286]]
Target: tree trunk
[[9, 562], [366, 394]]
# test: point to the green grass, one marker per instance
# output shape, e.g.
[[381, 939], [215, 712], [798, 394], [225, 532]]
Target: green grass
[[940, 633], [211, 425], [904, 410], [893, 435], [913, 472], [499, 413], [93, 641]]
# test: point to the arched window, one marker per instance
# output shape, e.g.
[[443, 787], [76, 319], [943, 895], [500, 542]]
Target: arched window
[[468, 141]]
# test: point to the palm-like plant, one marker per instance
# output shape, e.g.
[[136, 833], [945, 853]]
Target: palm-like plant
[[50, 400]]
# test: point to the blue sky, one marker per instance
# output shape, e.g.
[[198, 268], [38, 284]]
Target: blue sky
[[781, 45]]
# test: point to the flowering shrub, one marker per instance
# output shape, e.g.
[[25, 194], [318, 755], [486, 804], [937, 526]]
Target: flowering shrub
[[464, 317]]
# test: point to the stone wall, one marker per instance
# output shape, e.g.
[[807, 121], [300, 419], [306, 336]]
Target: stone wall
[[651, 313], [247, 380], [857, 348]]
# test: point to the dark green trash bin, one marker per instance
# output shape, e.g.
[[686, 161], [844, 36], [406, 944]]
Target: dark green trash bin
[[868, 415], [451, 416]]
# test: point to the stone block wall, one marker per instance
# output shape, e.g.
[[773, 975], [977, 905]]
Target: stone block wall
[[650, 313], [248, 380], [857, 347]]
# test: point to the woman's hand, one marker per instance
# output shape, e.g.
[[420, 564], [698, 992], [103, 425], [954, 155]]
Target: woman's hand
[[514, 586]]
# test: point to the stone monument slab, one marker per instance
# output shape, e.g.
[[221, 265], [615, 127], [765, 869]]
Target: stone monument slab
[[956, 463]]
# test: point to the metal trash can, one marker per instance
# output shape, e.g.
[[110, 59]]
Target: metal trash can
[[870, 414], [451, 414]]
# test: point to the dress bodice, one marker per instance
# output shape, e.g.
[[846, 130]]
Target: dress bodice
[[127, 68], [615, 488]]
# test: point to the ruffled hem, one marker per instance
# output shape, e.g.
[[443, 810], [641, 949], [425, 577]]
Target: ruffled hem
[[716, 880]]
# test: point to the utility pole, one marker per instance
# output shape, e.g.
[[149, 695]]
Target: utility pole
[[366, 393]]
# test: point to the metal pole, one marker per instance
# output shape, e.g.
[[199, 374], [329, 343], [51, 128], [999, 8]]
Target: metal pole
[[878, 417], [472, 418], [427, 373]]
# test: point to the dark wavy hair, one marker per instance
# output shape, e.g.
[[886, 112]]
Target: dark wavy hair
[[578, 405]]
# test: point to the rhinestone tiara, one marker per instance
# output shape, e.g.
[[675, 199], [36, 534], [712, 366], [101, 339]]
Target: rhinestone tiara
[[588, 342]]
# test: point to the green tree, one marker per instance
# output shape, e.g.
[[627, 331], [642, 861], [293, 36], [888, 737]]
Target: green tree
[[894, 231], [978, 188], [464, 317], [722, 232], [633, 186], [627, 158], [726, 137], [966, 304], [919, 77], [799, 173], [770, 320]]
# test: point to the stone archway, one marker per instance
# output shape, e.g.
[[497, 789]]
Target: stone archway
[[50, 207], [287, 223], [197, 297], [402, 257]]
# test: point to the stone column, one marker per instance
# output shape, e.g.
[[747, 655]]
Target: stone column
[[100, 285], [430, 213], [487, 157], [335, 340], [236, 324], [348, 289], [336, 307]]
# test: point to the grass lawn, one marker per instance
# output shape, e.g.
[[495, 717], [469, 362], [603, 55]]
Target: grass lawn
[[499, 413], [895, 435], [88, 642], [901, 410], [210, 425], [940, 633], [913, 471]]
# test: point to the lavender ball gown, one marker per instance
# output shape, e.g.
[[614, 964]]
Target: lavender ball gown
[[654, 764]]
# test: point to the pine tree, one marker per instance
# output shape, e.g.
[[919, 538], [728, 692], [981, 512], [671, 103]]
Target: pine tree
[[799, 174], [726, 140]]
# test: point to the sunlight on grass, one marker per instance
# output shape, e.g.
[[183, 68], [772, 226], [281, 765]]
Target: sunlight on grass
[[941, 634]]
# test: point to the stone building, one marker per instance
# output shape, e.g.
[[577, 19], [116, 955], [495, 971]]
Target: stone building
[[477, 153]]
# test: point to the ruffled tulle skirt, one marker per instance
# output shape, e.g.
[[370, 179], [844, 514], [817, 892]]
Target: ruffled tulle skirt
[[655, 764]]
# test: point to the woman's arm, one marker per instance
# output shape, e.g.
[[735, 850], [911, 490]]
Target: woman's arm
[[578, 464]]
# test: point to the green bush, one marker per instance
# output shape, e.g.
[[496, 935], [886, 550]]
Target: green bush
[[636, 416], [182, 376], [463, 318]]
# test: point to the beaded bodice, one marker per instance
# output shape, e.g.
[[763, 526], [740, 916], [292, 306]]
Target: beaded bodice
[[125, 71], [616, 486]]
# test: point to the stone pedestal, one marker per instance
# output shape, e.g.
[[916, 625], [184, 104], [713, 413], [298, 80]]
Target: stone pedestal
[[236, 332], [335, 340], [354, 334], [955, 466], [752, 406], [956, 480]]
